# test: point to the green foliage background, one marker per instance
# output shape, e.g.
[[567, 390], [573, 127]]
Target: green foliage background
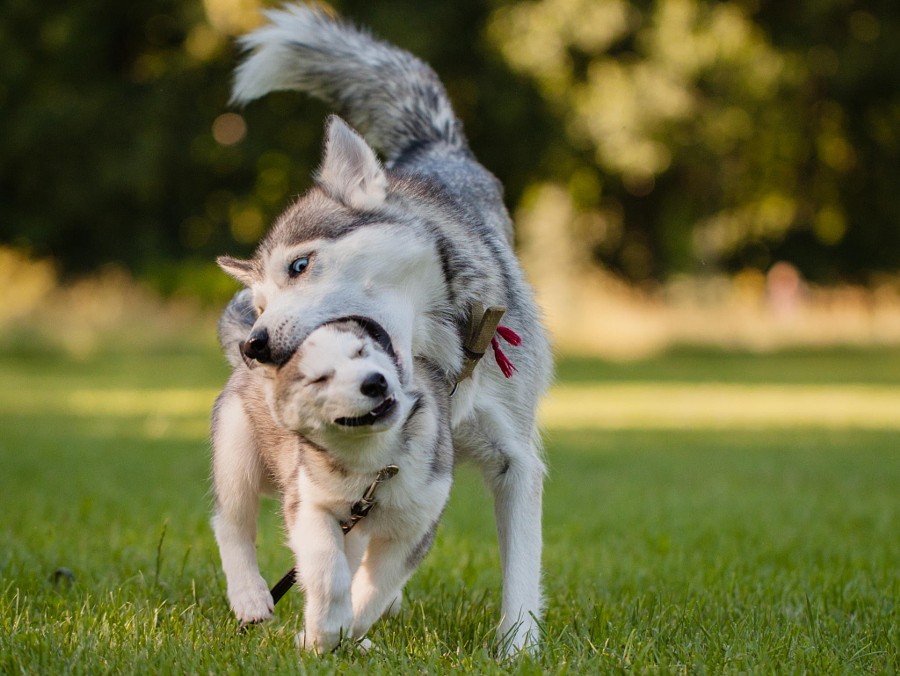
[[691, 135]]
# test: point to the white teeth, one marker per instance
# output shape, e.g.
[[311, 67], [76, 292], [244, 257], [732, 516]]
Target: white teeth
[[371, 417]]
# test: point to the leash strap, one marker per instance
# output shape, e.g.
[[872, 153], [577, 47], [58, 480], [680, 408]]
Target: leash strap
[[358, 511], [283, 585]]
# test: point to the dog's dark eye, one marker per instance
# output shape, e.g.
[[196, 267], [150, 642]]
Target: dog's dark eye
[[321, 380], [298, 266]]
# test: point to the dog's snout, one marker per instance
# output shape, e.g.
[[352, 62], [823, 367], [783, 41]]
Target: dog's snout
[[257, 346], [374, 385]]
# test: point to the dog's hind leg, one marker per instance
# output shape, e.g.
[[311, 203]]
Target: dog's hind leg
[[518, 489], [237, 481], [511, 465]]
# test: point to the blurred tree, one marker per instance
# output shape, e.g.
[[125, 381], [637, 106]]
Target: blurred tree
[[113, 144], [688, 133], [726, 134], [850, 51], [118, 143]]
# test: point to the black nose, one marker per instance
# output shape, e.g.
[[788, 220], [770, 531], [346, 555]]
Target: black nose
[[374, 385], [257, 346]]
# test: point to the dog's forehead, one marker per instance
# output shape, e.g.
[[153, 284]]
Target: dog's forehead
[[340, 340], [314, 217], [335, 338], [324, 348]]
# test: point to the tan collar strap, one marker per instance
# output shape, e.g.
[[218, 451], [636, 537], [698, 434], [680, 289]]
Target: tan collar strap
[[483, 325]]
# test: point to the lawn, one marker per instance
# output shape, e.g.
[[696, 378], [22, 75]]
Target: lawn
[[737, 542]]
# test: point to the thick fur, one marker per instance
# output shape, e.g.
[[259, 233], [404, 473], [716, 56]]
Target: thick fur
[[290, 438], [412, 244]]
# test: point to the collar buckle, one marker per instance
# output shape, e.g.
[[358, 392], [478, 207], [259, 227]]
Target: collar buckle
[[362, 506]]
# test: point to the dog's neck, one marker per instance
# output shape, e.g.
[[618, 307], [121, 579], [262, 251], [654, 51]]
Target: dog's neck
[[363, 453]]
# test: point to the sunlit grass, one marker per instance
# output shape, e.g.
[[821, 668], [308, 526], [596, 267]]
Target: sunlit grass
[[682, 390], [737, 548], [694, 406], [567, 406]]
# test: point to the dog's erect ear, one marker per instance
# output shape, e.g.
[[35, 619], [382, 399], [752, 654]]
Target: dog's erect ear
[[350, 171], [242, 271]]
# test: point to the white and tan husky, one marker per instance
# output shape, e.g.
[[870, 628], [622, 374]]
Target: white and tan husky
[[419, 245], [362, 454]]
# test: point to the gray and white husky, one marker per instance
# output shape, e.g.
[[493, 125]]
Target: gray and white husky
[[341, 411], [418, 244]]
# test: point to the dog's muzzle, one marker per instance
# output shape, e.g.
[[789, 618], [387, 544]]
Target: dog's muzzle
[[380, 412]]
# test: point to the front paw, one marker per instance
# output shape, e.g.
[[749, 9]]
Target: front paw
[[319, 643], [364, 645], [322, 635], [251, 601]]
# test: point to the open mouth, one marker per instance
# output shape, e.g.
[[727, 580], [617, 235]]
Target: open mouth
[[378, 413]]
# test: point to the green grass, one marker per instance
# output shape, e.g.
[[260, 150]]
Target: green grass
[[876, 366], [707, 550]]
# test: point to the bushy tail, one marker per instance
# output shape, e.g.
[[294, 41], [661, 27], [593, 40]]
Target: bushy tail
[[394, 99]]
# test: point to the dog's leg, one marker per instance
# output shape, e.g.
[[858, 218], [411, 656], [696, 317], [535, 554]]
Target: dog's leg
[[237, 480], [511, 464], [355, 544], [518, 489], [395, 606], [378, 584], [324, 574]]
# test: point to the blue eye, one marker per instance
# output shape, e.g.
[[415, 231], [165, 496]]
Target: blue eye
[[298, 265]]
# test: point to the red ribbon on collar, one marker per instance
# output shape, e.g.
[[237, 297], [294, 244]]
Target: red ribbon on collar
[[511, 337]]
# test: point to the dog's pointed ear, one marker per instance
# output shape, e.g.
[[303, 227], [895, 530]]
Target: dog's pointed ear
[[350, 171], [242, 271]]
